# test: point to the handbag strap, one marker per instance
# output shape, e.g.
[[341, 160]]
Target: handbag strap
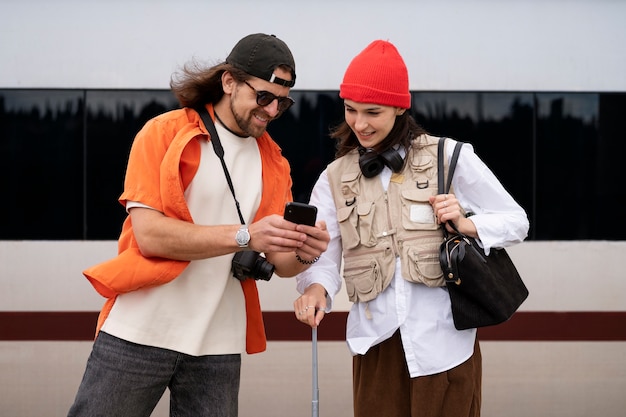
[[443, 184]]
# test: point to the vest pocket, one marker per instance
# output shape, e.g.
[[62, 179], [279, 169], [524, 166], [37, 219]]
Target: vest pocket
[[363, 280], [420, 261], [348, 224], [366, 223], [417, 213], [356, 224]]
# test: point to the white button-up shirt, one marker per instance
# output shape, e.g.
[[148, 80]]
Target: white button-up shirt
[[423, 314]]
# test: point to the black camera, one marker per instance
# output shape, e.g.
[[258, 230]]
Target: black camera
[[250, 264]]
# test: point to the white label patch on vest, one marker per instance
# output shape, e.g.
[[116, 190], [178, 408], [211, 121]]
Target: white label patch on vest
[[422, 213]]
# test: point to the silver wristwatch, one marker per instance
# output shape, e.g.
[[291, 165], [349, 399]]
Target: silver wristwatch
[[243, 236]]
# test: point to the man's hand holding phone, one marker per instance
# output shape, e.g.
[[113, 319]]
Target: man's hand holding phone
[[317, 242]]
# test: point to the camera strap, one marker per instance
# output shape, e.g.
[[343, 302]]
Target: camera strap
[[219, 151]]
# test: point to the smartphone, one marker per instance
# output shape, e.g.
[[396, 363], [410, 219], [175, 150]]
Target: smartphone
[[300, 213]]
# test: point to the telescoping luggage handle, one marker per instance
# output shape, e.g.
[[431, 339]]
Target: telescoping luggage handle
[[315, 412]]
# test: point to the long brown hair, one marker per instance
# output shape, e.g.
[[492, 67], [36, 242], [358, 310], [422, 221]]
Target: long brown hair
[[404, 130], [195, 85]]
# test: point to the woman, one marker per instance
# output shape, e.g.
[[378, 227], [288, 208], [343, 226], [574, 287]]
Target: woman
[[379, 200]]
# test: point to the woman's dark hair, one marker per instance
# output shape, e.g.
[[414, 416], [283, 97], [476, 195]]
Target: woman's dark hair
[[404, 130]]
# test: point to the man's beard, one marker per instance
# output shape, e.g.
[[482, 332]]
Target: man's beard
[[247, 125]]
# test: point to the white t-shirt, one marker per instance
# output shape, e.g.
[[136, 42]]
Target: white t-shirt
[[202, 311]]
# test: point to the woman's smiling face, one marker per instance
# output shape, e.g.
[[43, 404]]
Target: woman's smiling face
[[371, 123]]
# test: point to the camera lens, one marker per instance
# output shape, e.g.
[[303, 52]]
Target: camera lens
[[250, 264], [263, 269]]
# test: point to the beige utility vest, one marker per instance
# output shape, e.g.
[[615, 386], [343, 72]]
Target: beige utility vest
[[377, 225]]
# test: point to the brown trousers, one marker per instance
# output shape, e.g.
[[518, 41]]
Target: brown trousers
[[383, 388]]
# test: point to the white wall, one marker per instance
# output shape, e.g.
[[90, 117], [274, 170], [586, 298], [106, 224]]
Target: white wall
[[521, 379], [529, 45], [561, 276]]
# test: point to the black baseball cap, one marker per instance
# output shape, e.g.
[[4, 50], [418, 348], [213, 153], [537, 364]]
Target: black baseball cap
[[259, 55]]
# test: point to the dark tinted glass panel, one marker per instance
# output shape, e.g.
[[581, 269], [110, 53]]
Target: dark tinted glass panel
[[64, 154], [566, 142], [610, 223], [303, 135], [41, 144], [580, 148], [498, 125], [113, 120]]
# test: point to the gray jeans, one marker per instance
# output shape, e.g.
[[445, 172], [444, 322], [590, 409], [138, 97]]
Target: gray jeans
[[127, 380]]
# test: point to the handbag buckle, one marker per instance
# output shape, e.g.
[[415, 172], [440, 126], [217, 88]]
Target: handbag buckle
[[453, 247]]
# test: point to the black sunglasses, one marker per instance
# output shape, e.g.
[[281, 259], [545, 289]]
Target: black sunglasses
[[264, 98]]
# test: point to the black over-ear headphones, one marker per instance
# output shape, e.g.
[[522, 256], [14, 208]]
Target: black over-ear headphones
[[372, 163]]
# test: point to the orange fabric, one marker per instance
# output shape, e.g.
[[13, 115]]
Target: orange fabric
[[166, 143]]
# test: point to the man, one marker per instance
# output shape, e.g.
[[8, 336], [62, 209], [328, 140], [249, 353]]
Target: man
[[182, 303]]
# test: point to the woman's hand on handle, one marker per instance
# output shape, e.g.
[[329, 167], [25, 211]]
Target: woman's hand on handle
[[310, 307]]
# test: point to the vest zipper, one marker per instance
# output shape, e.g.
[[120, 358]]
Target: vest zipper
[[394, 243]]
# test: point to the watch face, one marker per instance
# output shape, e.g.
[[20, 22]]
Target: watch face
[[242, 237]]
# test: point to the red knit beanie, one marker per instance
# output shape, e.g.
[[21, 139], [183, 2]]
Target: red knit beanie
[[377, 75]]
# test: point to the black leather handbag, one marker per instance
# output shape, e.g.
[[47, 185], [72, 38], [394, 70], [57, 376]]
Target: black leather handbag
[[484, 290]]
